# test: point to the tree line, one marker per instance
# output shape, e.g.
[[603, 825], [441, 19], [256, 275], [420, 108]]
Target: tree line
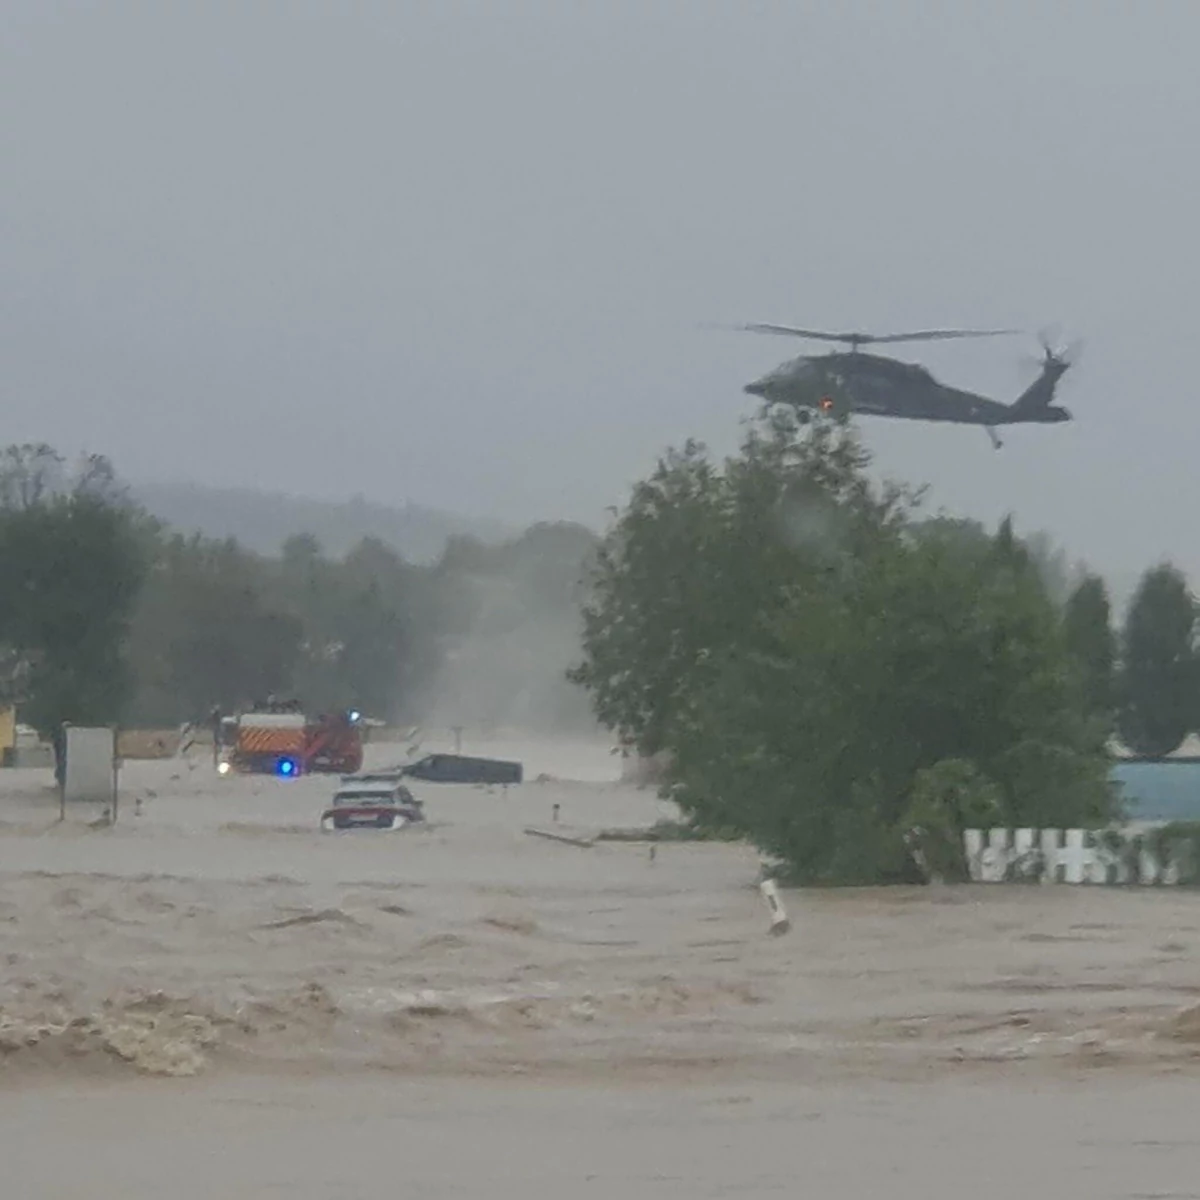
[[848, 682], [826, 670], [109, 616]]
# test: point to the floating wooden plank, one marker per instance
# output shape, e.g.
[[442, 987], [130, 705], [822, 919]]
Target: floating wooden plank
[[585, 842]]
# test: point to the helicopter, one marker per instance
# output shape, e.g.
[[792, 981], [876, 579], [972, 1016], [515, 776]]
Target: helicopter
[[845, 382]]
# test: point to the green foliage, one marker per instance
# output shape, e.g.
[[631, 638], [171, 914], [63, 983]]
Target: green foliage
[[1087, 623], [805, 648], [1177, 844], [704, 561], [1159, 680], [204, 633], [359, 617], [105, 615], [219, 625], [669, 831], [1057, 574], [72, 562], [948, 798]]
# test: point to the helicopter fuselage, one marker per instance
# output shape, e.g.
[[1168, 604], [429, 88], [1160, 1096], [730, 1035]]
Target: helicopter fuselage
[[870, 384]]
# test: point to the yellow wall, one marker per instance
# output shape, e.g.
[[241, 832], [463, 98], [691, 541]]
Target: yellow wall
[[147, 743], [8, 728]]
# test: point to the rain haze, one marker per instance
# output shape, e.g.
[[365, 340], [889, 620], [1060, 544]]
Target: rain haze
[[462, 253], [479, 261]]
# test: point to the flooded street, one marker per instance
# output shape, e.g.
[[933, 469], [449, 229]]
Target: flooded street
[[214, 998], [345, 1139]]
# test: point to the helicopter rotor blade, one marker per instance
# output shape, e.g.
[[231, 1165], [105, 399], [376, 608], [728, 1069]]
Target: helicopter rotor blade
[[787, 331], [864, 339], [931, 335], [791, 331]]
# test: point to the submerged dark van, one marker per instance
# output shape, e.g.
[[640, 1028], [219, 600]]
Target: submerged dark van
[[458, 768]]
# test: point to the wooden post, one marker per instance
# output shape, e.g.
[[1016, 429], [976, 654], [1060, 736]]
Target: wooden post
[[116, 770], [60, 769]]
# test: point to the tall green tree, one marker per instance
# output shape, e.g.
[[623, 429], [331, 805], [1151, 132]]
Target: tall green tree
[[206, 632], [805, 651], [1158, 677], [375, 663], [703, 558], [363, 618], [1091, 640], [72, 563], [220, 625]]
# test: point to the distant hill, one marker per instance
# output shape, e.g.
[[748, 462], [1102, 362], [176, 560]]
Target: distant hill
[[262, 521]]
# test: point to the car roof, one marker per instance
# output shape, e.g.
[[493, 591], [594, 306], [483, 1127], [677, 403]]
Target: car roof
[[367, 789]]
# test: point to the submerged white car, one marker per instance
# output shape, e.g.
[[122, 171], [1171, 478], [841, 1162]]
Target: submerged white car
[[377, 801]]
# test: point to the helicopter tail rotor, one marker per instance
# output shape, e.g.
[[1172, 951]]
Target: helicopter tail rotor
[[1047, 336], [1066, 357]]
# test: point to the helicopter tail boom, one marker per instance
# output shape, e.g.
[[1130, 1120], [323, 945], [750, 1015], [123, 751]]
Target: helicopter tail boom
[[1036, 402]]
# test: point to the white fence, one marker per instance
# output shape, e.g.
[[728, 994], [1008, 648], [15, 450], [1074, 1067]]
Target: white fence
[[1064, 856]]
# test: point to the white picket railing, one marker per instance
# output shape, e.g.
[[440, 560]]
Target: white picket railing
[[1060, 856]]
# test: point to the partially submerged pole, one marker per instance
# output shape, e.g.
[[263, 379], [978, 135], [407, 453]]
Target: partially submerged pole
[[779, 918]]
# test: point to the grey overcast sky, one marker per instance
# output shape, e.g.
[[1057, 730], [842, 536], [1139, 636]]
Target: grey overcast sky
[[459, 252]]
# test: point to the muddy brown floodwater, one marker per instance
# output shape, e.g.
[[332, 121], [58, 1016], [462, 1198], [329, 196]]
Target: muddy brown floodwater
[[213, 998]]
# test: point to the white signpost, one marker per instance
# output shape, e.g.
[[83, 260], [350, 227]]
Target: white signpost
[[779, 918], [91, 766]]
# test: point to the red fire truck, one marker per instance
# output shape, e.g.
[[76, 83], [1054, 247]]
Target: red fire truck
[[280, 739]]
